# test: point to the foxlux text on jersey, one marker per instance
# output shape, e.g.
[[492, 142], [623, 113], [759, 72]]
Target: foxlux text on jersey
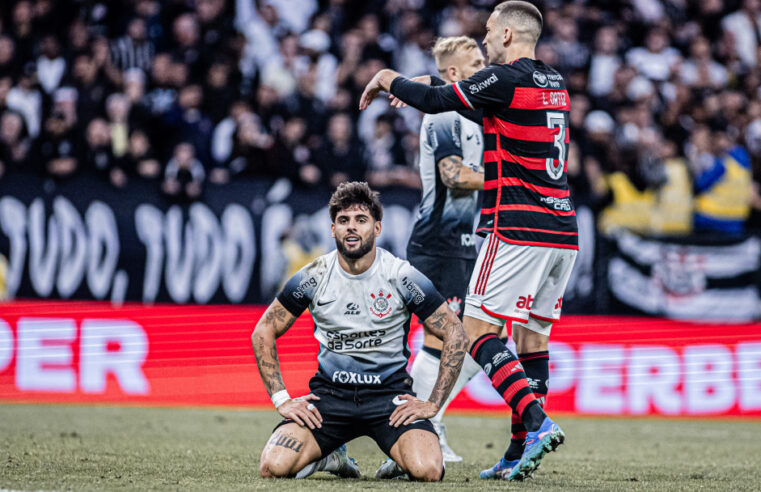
[[356, 340], [348, 377]]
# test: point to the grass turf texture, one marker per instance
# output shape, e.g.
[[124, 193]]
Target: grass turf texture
[[105, 448]]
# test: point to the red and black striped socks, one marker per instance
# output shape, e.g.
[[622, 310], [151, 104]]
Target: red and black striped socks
[[537, 368], [508, 378]]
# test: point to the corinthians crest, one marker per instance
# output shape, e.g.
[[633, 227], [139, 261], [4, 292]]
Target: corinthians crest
[[381, 305]]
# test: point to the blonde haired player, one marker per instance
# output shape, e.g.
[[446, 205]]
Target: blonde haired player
[[442, 244]]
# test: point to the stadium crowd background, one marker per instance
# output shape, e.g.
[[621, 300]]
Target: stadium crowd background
[[666, 97]]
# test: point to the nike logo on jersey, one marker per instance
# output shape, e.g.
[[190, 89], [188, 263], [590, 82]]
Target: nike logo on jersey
[[470, 136], [323, 303]]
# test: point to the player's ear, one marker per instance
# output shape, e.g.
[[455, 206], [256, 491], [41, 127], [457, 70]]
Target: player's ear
[[333, 230], [453, 73], [377, 228], [508, 36]]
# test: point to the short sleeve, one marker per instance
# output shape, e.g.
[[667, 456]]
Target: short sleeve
[[418, 292], [299, 291], [488, 87], [443, 135]]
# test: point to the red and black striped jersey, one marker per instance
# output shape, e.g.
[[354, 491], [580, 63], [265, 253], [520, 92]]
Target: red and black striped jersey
[[525, 116]]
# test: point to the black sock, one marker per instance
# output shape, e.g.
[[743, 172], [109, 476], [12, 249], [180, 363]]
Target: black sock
[[537, 368], [508, 378]]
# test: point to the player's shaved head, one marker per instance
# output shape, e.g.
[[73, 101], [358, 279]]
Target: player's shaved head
[[355, 193], [523, 18]]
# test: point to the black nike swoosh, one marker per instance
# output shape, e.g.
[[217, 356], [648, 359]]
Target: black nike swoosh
[[320, 303], [470, 136]]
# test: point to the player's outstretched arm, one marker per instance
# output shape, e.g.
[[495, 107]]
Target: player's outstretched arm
[[275, 322], [445, 325], [418, 95], [457, 176]]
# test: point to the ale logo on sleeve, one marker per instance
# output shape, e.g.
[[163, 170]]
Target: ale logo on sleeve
[[381, 306]]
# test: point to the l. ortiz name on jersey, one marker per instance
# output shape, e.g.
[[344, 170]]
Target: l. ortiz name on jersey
[[361, 321]]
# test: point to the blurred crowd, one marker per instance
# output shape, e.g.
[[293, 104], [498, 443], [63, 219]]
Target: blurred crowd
[[666, 96]]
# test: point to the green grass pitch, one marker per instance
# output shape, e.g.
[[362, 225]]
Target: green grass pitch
[[47, 447]]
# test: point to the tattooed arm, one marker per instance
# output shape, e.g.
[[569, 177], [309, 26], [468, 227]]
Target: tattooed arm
[[457, 176], [275, 322], [444, 324]]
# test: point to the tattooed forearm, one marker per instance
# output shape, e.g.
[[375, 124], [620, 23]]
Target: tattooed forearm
[[444, 324], [449, 168], [274, 323], [457, 176]]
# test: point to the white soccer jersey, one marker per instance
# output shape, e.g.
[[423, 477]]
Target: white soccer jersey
[[444, 225], [361, 321]]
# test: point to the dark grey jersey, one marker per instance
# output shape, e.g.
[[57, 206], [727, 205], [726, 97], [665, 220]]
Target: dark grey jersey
[[361, 321], [445, 222]]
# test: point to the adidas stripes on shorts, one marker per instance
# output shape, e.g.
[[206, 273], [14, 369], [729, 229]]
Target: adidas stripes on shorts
[[512, 282]]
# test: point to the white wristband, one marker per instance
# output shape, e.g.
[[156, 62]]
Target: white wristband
[[280, 397]]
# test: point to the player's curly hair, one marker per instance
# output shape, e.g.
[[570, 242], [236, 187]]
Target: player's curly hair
[[355, 193]]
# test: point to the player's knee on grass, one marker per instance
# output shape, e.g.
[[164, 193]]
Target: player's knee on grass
[[419, 454], [429, 472], [275, 465]]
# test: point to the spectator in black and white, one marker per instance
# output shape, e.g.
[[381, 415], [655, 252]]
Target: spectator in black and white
[[340, 158], [59, 145], [250, 146], [282, 70], [260, 31], [386, 159], [571, 54], [294, 13], [744, 27], [26, 99], [184, 174], [656, 59], [92, 85], [99, 155], [215, 26], [605, 61], [78, 40], [289, 157], [51, 66], [305, 103], [134, 49], [223, 137], [186, 43], [315, 45], [219, 89], [9, 62], [21, 29], [189, 123], [14, 143], [701, 70], [140, 159], [413, 55]]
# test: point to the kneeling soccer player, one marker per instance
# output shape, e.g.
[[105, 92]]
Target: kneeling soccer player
[[361, 298]]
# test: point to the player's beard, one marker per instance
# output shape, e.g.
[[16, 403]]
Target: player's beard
[[365, 246]]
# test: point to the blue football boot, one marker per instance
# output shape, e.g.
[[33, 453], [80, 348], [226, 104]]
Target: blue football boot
[[538, 443], [499, 470]]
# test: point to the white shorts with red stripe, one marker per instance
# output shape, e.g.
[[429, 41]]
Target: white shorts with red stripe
[[513, 282]]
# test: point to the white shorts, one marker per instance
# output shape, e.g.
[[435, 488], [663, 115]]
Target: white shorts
[[512, 282]]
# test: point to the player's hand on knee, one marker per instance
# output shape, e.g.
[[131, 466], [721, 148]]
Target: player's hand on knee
[[302, 411], [411, 409]]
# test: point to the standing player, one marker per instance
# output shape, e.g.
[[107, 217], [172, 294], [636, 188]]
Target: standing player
[[361, 299], [527, 217], [442, 244]]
